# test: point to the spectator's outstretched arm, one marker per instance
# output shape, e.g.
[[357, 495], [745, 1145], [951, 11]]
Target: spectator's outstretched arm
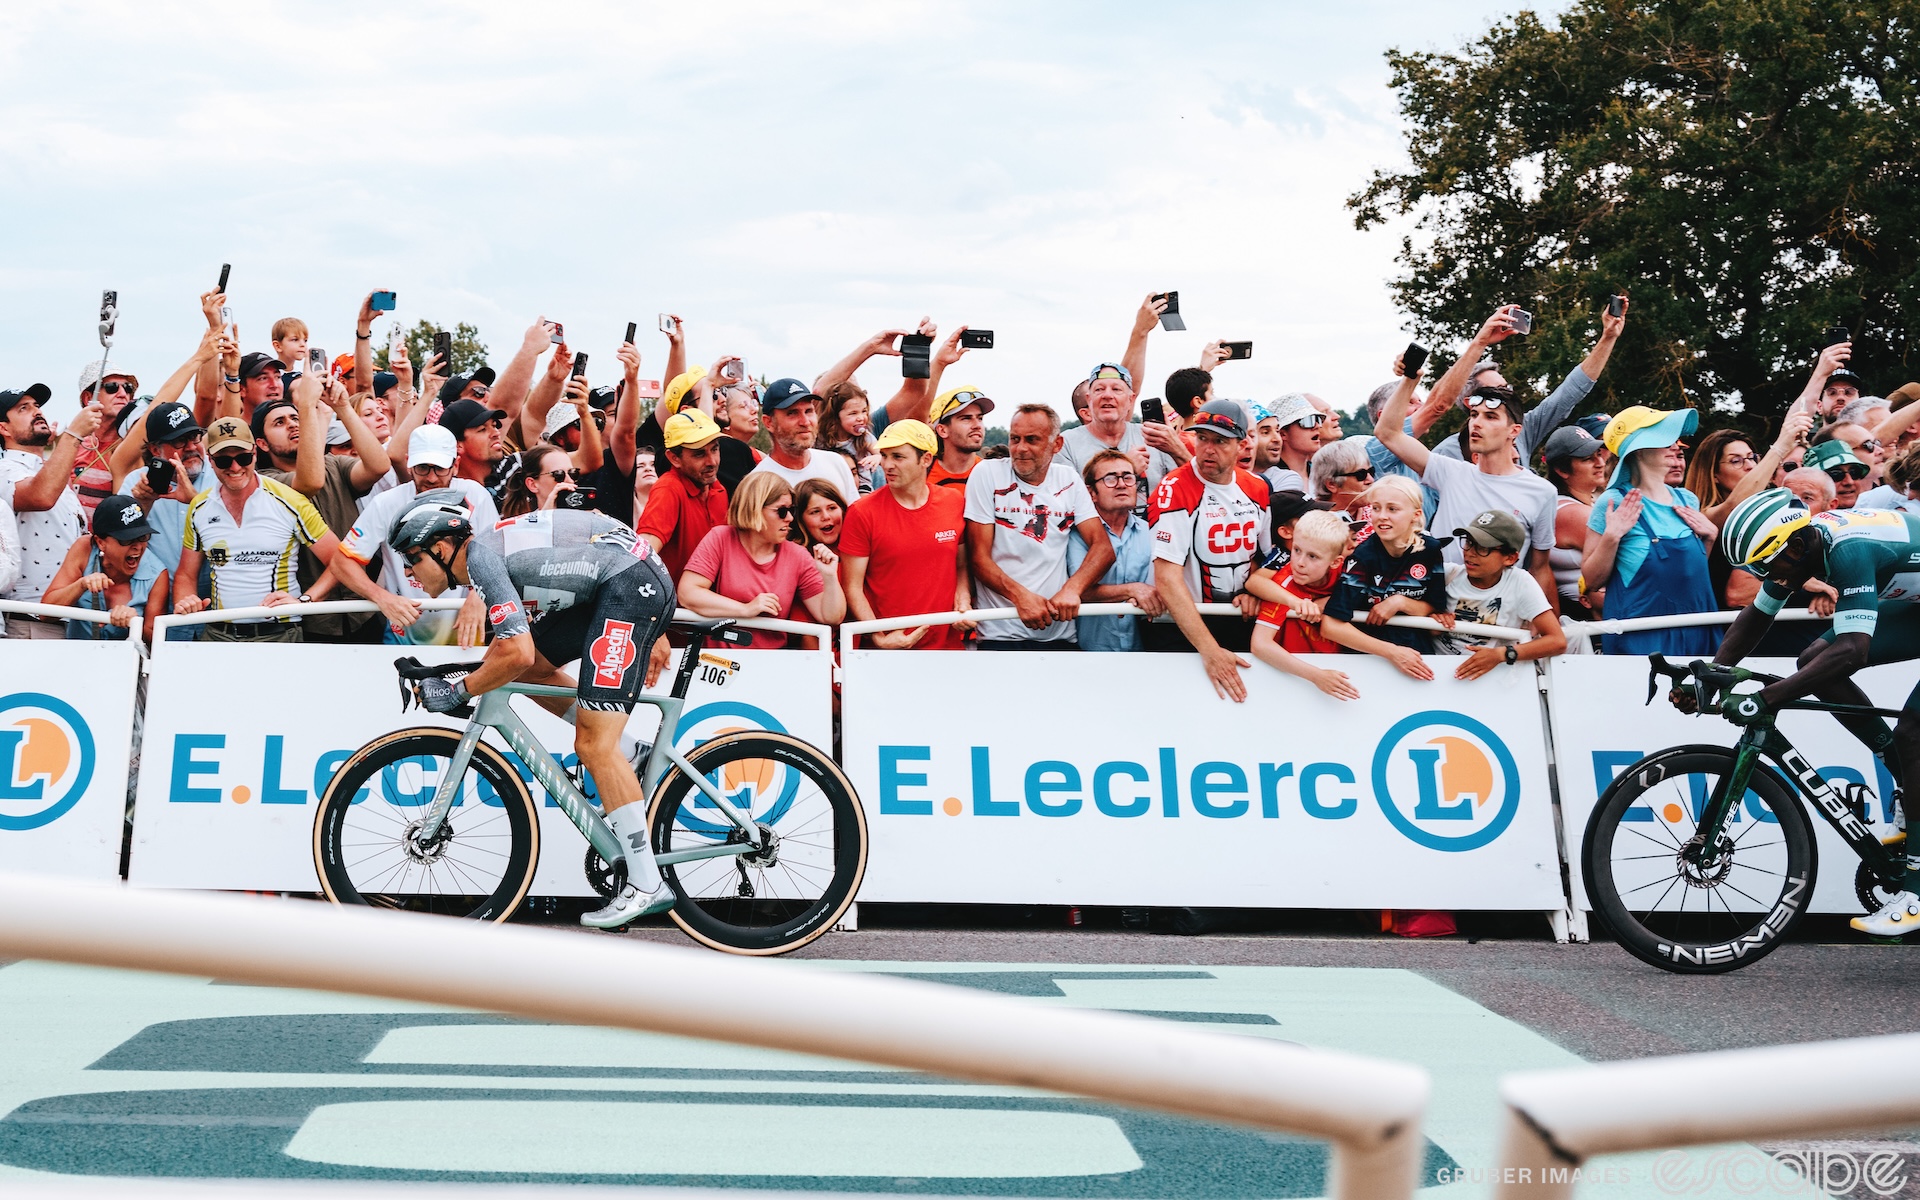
[[206, 383], [676, 351], [409, 414], [1390, 429], [41, 490], [1553, 412], [1900, 419], [886, 342], [157, 602], [186, 578], [1036, 611], [545, 394], [1135, 359], [1610, 330], [310, 457], [1445, 394], [1831, 359], [853, 581], [1540, 567], [349, 570], [622, 431], [370, 462], [1223, 666], [592, 451], [130, 451], [363, 347], [1099, 560], [914, 400], [71, 580], [1350, 635], [9, 545], [226, 402], [510, 389], [1267, 648]]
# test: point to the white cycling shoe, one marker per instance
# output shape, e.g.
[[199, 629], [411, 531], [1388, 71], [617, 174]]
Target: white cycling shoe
[[629, 904], [1900, 917]]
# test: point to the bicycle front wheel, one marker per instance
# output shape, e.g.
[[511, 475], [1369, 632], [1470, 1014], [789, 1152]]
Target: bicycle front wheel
[[814, 848], [1685, 912], [479, 866]]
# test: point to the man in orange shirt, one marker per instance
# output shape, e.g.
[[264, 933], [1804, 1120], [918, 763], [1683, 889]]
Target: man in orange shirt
[[904, 550], [687, 501], [959, 418]]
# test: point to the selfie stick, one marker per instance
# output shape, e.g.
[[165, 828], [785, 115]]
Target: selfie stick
[[106, 348]]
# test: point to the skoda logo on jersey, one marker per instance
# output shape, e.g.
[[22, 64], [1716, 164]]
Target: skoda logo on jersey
[[757, 786], [1446, 781], [46, 759]]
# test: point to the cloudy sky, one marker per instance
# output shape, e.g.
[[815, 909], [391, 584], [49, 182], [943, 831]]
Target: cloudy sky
[[790, 177]]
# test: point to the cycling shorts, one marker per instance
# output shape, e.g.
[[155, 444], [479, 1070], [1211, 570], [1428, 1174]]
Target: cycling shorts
[[611, 634]]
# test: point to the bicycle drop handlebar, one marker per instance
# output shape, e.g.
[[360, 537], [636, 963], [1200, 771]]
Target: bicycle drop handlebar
[[1713, 678]]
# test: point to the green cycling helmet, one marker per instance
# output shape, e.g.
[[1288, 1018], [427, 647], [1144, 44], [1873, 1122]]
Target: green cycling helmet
[[1760, 527]]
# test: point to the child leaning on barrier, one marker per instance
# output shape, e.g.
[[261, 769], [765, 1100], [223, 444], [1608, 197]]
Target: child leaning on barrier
[[1487, 590], [1395, 572], [1290, 625]]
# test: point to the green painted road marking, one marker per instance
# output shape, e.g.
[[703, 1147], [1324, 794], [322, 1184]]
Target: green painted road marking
[[105, 1072]]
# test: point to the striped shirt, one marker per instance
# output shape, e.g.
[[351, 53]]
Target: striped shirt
[[259, 553]]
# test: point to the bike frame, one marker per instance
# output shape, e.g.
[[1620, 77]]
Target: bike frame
[[493, 710], [1756, 744]]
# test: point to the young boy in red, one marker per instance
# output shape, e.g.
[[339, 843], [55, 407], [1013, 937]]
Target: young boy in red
[[1289, 625]]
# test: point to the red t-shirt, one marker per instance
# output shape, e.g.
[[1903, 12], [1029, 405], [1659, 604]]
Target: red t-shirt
[[680, 517], [792, 576], [1296, 636], [939, 476], [912, 556]]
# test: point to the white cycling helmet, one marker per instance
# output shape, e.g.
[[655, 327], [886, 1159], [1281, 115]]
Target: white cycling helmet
[[1760, 527]]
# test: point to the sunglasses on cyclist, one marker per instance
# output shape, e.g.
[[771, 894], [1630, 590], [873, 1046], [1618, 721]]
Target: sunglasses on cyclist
[[227, 462], [1849, 471]]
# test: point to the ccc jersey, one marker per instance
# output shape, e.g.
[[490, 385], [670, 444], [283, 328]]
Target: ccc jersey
[[547, 561], [1218, 530], [1872, 557]]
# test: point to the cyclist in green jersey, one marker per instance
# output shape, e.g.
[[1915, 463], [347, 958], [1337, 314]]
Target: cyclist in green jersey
[[1872, 559]]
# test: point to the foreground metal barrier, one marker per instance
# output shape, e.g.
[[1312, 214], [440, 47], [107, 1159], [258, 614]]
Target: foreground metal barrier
[[1557, 1120], [1370, 1109]]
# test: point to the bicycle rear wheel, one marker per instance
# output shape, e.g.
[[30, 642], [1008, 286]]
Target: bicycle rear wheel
[[815, 850], [1697, 918], [481, 864]]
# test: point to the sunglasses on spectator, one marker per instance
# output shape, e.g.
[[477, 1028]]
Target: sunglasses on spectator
[[1311, 420], [783, 511], [1869, 445], [562, 476], [113, 387], [1488, 402], [1114, 479], [1793, 465], [1743, 460], [243, 458], [1849, 471], [478, 391], [1356, 473]]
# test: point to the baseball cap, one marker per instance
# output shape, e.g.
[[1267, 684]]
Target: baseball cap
[[261, 413], [337, 434], [1595, 424], [90, 375], [677, 389], [559, 417], [1222, 417], [462, 415], [1496, 529], [431, 446], [1292, 408], [39, 391], [171, 422], [785, 393], [230, 432], [953, 400], [1571, 442], [604, 398], [909, 433], [383, 382], [1843, 375], [342, 366], [1110, 370], [258, 363], [1291, 506], [451, 389], [1823, 456], [120, 519], [690, 428]]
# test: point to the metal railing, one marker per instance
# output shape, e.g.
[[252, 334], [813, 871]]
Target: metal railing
[[1370, 1109], [1557, 1120], [213, 616], [136, 633], [853, 629], [1678, 621]]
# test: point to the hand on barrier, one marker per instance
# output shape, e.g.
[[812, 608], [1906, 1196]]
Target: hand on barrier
[[398, 610], [1409, 662], [469, 624], [277, 599], [1146, 598], [1485, 659], [1334, 683], [123, 615], [1826, 598], [189, 605], [1036, 612], [899, 639], [658, 660], [1223, 670], [1065, 604], [1248, 604]]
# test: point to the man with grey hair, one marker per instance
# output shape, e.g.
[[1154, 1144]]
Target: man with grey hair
[[1814, 489]]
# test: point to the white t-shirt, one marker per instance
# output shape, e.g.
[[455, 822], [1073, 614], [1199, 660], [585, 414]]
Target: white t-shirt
[[1885, 497], [369, 533], [44, 536], [1511, 603], [1032, 524], [821, 464], [1466, 491], [1078, 446]]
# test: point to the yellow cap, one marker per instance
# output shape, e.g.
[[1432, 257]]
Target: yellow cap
[[1626, 421], [676, 393], [228, 432], [953, 400], [690, 428], [909, 433]]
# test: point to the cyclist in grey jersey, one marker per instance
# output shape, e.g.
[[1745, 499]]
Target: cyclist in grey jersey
[[560, 585]]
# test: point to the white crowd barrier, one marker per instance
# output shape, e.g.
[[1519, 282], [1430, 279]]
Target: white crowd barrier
[[1370, 1109], [1135, 802], [242, 738], [1557, 1120]]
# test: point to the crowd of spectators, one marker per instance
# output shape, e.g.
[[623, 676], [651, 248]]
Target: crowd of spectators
[[255, 480]]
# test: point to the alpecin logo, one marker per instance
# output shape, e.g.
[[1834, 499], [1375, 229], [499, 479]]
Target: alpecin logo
[[612, 653], [46, 759]]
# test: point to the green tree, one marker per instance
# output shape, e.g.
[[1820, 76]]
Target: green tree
[[469, 352], [1744, 169]]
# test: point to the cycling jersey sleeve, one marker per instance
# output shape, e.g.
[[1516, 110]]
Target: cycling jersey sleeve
[[1851, 569], [488, 572], [1772, 598]]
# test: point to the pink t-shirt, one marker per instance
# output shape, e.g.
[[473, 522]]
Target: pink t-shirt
[[792, 576]]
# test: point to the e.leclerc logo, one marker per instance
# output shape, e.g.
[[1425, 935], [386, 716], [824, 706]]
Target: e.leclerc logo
[[764, 788], [1446, 781], [46, 759]]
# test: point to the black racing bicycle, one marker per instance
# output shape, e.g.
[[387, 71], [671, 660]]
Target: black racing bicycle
[[759, 834], [1701, 858]]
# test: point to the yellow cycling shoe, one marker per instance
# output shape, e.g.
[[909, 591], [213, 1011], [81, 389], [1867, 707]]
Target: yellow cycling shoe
[[1900, 917]]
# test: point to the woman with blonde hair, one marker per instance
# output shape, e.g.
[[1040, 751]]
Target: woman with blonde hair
[[749, 568], [1397, 571]]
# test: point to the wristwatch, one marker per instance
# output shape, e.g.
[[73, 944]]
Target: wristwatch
[[1512, 652], [307, 598]]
